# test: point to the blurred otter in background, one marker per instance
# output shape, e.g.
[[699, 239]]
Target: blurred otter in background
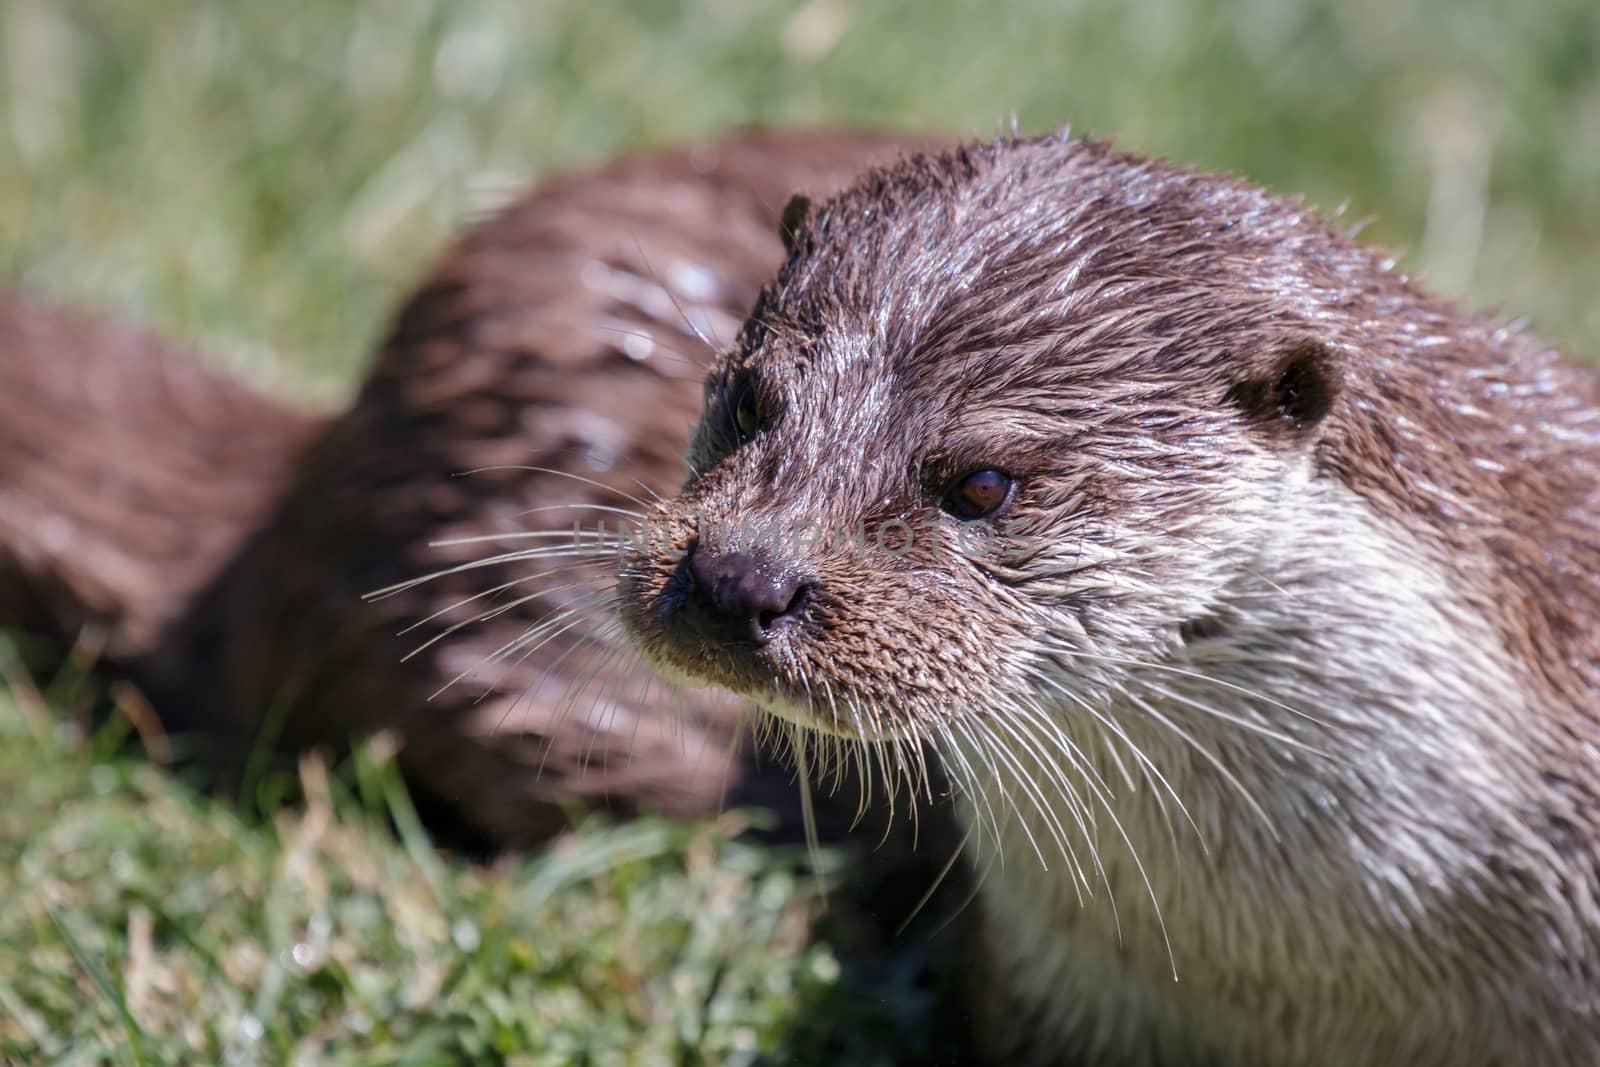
[[219, 546]]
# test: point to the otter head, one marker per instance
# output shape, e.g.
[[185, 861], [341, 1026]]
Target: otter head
[[1009, 423], [1083, 467]]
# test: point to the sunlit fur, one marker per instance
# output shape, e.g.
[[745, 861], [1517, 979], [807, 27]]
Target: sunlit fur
[[1271, 719]]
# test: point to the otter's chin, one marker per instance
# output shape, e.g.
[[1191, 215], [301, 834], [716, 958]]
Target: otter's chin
[[763, 689], [808, 716]]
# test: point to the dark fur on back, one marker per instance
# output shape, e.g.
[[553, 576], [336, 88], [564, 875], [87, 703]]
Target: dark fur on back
[[111, 518]]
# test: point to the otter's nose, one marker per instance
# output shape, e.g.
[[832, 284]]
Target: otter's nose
[[740, 597]]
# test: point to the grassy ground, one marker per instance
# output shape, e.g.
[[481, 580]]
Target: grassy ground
[[263, 180], [143, 922]]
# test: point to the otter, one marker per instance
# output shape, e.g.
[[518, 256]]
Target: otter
[[1247, 592], [216, 546], [1244, 589]]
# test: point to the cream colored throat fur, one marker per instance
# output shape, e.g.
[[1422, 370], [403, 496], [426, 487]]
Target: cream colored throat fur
[[1296, 842]]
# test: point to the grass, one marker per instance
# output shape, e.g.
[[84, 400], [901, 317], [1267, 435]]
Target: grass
[[143, 922], [264, 180]]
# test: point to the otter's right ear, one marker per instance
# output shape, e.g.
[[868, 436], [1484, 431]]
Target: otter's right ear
[[1292, 392], [793, 217]]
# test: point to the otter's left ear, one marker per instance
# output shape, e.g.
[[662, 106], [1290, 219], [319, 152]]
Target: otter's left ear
[[1293, 391], [793, 217]]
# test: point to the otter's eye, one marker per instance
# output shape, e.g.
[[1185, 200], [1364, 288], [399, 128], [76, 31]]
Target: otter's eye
[[978, 495], [740, 414], [746, 409]]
